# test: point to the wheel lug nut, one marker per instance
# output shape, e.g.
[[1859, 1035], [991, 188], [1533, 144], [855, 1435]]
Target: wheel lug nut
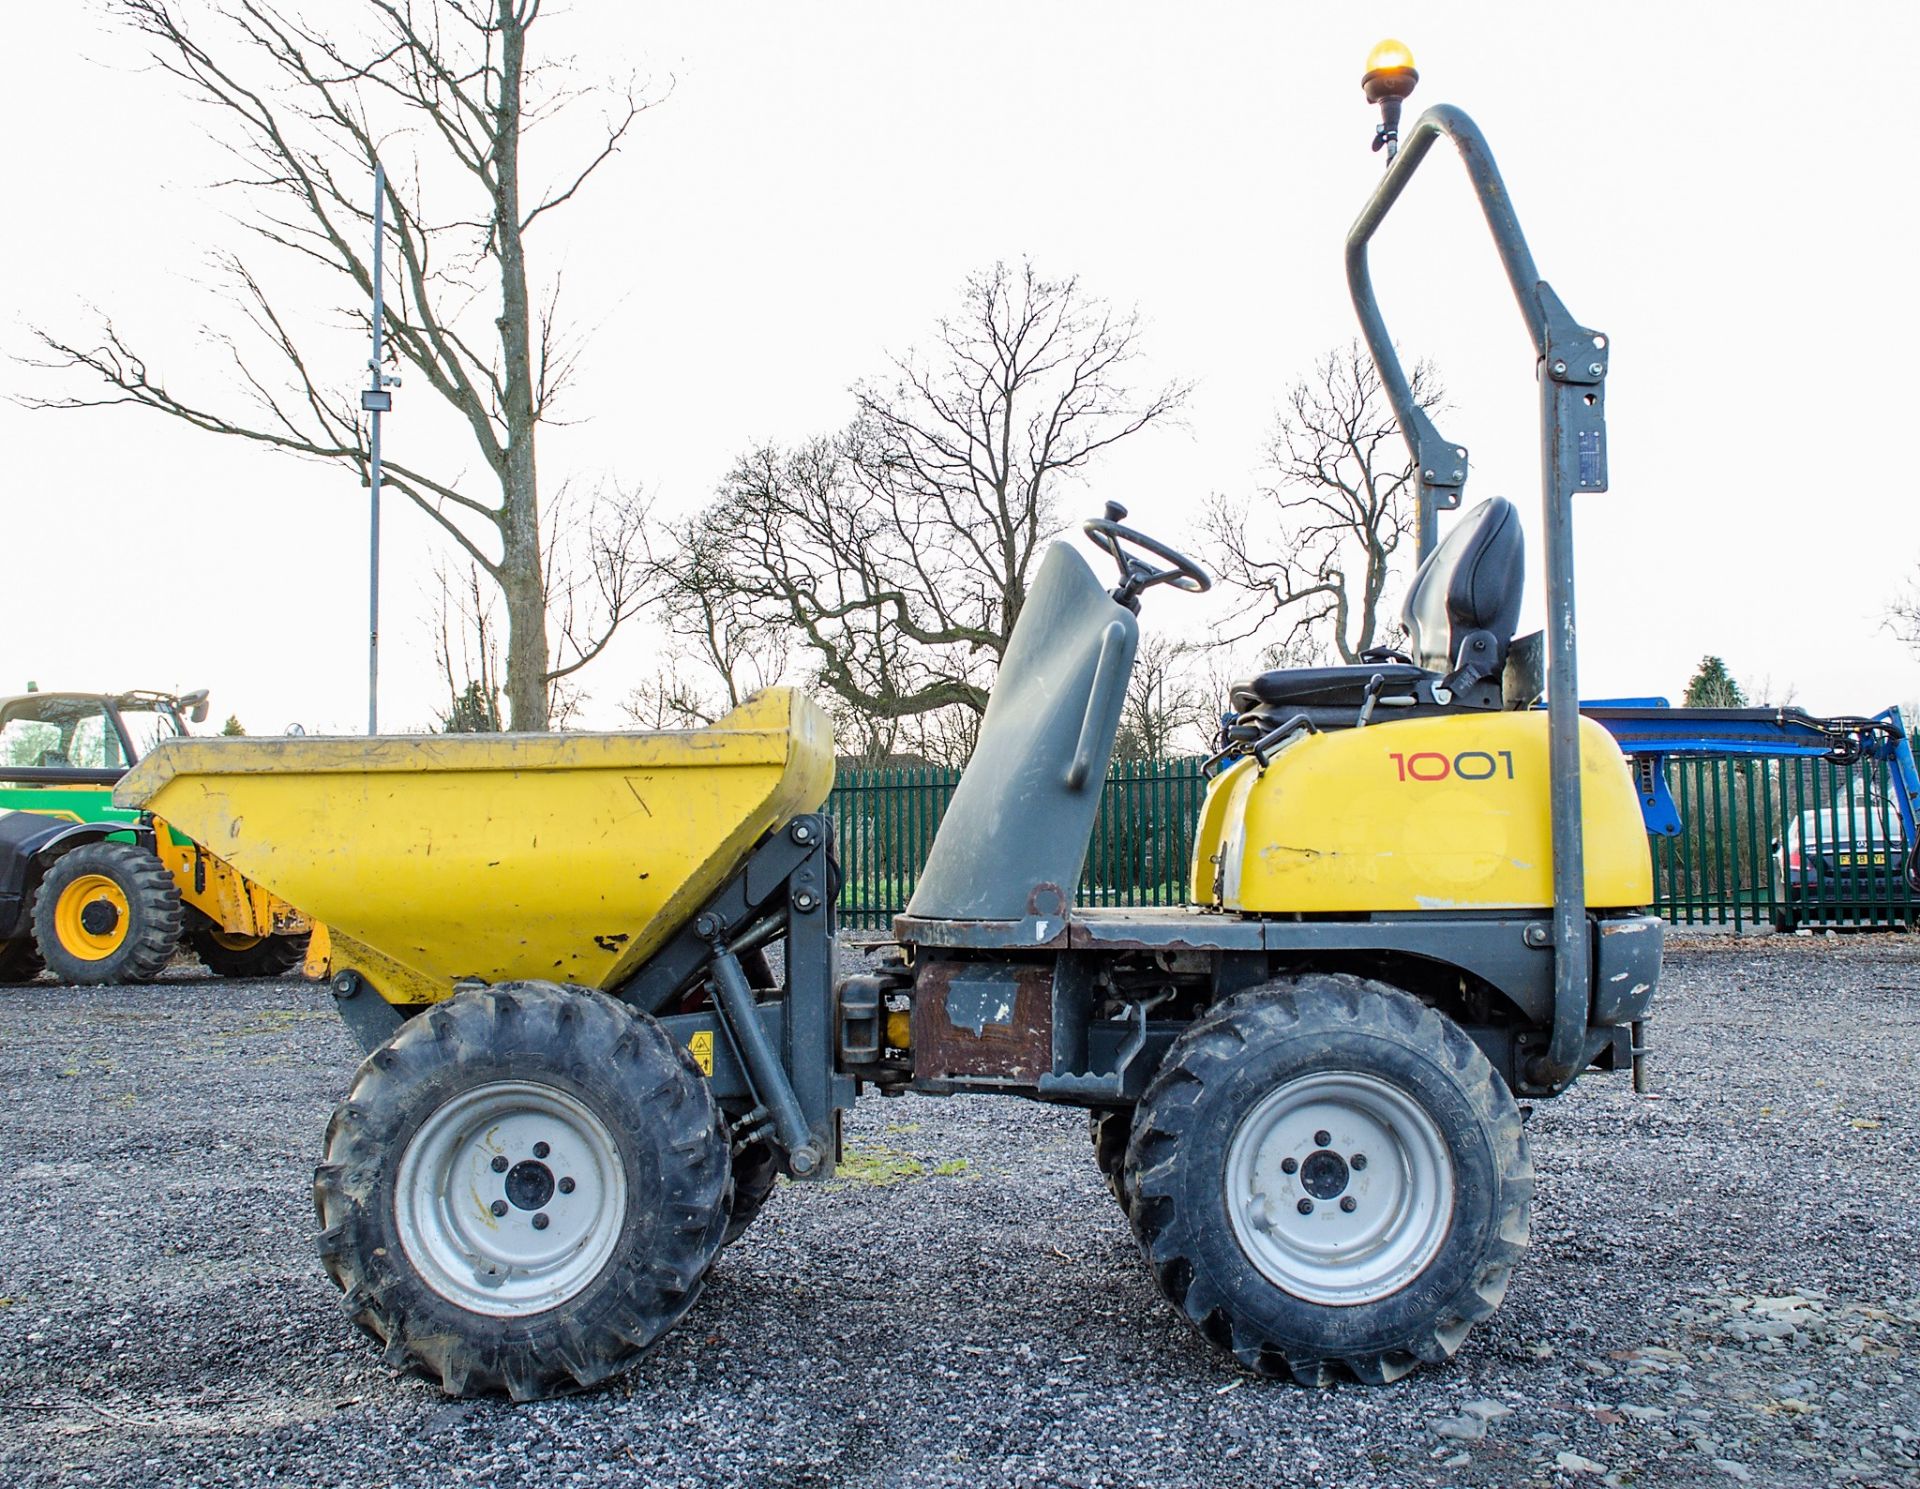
[[499, 1208], [1348, 1204], [540, 1221], [1359, 1161], [540, 1150], [499, 1163], [1305, 1207], [566, 1186], [1321, 1139], [1288, 1165]]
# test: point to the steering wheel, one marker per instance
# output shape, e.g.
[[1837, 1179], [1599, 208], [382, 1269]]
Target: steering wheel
[[1136, 574]]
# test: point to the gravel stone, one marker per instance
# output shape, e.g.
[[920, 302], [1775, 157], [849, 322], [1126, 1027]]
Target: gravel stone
[[967, 1308]]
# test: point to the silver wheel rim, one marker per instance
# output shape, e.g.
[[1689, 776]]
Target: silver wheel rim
[[510, 1198], [1320, 1225]]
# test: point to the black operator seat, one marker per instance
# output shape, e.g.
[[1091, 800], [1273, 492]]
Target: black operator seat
[[1460, 615]]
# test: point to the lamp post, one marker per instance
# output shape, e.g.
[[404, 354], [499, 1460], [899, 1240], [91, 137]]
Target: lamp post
[[376, 400]]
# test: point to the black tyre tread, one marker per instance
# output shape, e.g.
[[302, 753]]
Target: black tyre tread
[[154, 910], [1203, 1053], [756, 1170], [270, 956], [647, 1295], [20, 960], [1110, 1127]]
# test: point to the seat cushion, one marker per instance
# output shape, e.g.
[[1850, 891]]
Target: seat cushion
[[1326, 687], [1471, 582]]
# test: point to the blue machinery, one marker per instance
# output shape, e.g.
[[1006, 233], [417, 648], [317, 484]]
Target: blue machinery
[[1648, 731]]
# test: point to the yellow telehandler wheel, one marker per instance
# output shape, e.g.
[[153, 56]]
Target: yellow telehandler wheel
[[20, 960], [107, 913], [1328, 1174], [523, 1190], [228, 955]]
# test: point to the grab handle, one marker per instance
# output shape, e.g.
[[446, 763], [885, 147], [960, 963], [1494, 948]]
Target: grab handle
[[1109, 677]]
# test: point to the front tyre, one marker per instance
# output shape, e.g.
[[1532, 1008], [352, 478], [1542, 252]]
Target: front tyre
[[523, 1190], [1328, 1174], [107, 913]]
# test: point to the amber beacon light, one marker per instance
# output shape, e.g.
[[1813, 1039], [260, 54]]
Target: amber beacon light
[[1389, 78]]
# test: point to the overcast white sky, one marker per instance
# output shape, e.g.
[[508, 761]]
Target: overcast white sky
[[824, 175]]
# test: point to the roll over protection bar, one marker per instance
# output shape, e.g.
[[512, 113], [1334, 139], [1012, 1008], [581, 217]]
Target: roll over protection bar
[[1572, 369]]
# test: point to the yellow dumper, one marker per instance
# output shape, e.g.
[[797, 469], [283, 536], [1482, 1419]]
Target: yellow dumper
[[1416, 896]]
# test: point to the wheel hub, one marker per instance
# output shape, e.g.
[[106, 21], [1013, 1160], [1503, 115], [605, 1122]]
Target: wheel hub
[[510, 1198], [99, 917], [1340, 1187], [1324, 1174], [529, 1184]]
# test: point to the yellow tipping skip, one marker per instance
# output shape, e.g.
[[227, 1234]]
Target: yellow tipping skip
[[438, 858], [1429, 814]]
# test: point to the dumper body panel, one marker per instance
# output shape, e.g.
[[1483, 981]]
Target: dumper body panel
[[446, 858], [1429, 814]]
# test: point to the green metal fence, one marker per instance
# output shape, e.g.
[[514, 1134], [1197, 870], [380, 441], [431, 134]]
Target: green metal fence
[[884, 821], [1791, 842], [1786, 842]]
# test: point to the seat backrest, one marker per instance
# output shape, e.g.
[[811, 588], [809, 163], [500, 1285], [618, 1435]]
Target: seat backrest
[[1014, 837], [1471, 582]]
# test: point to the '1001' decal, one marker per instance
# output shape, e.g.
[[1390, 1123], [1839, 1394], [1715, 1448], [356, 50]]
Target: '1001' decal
[[1468, 765]]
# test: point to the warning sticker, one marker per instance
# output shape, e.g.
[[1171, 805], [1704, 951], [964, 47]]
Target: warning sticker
[[701, 1048]]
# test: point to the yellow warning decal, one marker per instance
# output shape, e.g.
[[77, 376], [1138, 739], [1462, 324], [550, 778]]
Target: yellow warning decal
[[701, 1048]]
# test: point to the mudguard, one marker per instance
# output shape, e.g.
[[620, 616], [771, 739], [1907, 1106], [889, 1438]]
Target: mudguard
[[30, 841]]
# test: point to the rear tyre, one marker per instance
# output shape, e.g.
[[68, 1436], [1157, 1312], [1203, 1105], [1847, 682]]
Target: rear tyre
[[228, 955], [1329, 1175], [1110, 1127], [755, 1172], [523, 1190], [20, 960], [107, 912]]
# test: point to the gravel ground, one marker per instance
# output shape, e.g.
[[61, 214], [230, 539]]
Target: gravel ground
[[1724, 1285]]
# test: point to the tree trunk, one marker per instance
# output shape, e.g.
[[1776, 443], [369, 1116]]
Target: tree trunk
[[523, 586], [522, 578]]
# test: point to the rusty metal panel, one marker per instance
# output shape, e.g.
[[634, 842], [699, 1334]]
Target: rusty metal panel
[[1036, 934], [1168, 929], [982, 1019]]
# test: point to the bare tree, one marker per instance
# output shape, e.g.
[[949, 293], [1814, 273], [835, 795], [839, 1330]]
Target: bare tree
[[947, 736], [670, 700], [1316, 556], [1171, 707], [466, 648], [718, 651], [899, 553], [598, 571], [1903, 616], [447, 93]]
